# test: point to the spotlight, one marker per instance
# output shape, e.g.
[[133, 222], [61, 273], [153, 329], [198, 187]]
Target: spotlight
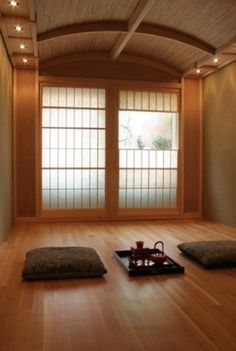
[[13, 3], [18, 28]]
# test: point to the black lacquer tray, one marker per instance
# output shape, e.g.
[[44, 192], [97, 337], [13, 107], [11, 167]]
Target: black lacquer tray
[[168, 267]]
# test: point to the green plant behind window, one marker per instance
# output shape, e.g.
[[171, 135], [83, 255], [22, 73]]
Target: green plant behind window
[[161, 143]]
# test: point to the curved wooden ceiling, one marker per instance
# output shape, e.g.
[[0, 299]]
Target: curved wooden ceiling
[[176, 36]]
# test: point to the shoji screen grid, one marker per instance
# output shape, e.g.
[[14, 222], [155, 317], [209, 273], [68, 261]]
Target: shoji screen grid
[[148, 177], [73, 148]]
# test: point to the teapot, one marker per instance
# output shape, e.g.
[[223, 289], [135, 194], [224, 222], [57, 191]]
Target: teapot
[[158, 256]]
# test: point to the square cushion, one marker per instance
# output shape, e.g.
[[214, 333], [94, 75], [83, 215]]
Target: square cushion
[[62, 262], [211, 253]]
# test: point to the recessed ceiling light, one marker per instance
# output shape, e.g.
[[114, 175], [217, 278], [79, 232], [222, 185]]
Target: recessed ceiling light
[[215, 60], [13, 3], [18, 28], [25, 60], [198, 70], [22, 46]]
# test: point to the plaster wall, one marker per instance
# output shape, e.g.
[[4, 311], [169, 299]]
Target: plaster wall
[[219, 146]]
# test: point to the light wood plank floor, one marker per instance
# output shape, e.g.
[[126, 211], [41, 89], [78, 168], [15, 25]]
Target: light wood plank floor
[[191, 311]]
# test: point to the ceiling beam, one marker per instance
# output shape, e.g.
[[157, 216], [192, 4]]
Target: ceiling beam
[[86, 27], [122, 27], [14, 20], [32, 16], [149, 63], [136, 18], [26, 55], [204, 62], [5, 37], [170, 33], [226, 45], [101, 56]]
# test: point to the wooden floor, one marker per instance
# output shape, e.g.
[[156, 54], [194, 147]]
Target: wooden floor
[[191, 311]]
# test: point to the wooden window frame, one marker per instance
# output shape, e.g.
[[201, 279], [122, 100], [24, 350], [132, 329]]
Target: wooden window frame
[[111, 210]]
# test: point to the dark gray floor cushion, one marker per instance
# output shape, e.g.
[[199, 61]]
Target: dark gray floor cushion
[[211, 253], [62, 262]]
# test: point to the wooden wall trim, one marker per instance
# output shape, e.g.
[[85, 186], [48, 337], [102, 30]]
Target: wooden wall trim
[[37, 145], [112, 159], [200, 145], [14, 146], [192, 115], [25, 115], [119, 218], [181, 148], [86, 82]]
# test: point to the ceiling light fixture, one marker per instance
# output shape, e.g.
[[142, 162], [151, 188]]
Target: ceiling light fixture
[[215, 60], [25, 60], [198, 70], [13, 3], [22, 46], [18, 28]]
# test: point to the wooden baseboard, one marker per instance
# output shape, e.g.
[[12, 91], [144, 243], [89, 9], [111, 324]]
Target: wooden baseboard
[[104, 218], [192, 215]]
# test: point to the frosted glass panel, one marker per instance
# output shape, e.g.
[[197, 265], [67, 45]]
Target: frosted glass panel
[[62, 97], [61, 179], [46, 96], [45, 117], [46, 179], [167, 100], [148, 149], [174, 102], [61, 118], [73, 148], [54, 94], [148, 101], [46, 199]]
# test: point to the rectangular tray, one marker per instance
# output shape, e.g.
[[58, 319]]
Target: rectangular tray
[[170, 266]]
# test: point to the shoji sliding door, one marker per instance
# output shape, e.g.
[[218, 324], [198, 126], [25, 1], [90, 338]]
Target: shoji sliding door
[[148, 149], [73, 148], [110, 159]]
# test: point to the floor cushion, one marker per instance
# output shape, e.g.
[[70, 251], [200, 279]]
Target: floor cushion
[[62, 262], [211, 253]]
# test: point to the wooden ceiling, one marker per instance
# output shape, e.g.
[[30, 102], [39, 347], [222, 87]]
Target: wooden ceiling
[[175, 36]]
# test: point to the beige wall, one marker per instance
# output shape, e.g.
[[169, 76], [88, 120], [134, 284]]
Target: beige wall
[[5, 143], [219, 146]]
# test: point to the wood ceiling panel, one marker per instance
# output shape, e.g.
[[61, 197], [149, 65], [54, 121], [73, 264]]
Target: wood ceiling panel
[[7, 10], [65, 12], [172, 53], [22, 15], [180, 33], [14, 42], [85, 42], [213, 21], [32, 61], [25, 33]]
